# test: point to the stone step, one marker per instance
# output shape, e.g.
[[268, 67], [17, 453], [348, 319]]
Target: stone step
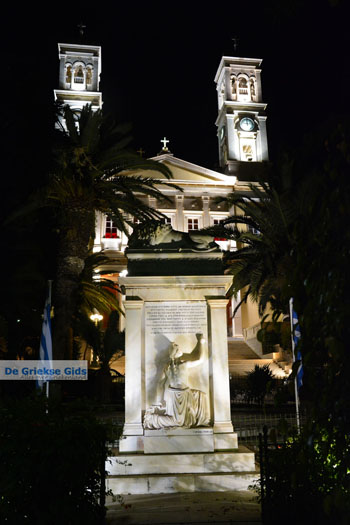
[[177, 483], [168, 473], [237, 460]]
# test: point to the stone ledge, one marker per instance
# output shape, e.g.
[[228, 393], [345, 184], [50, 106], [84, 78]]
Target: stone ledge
[[165, 484], [240, 460]]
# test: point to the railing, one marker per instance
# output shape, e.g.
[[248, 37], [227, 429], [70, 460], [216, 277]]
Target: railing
[[249, 426]]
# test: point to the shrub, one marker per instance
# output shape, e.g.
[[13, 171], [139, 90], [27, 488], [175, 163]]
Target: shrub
[[51, 464]]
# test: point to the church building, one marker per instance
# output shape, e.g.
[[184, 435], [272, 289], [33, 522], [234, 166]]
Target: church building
[[242, 151]]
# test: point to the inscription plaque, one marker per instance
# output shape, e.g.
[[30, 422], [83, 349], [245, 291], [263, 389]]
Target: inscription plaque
[[168, 322]]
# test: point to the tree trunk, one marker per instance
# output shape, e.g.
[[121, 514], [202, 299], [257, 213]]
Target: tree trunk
[[75, 234]]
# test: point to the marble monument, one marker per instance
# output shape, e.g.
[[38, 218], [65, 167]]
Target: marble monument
[[178, 434]]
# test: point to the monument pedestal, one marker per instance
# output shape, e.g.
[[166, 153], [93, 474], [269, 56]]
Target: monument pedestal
[[178, 440], [166, 473], [178, 434]]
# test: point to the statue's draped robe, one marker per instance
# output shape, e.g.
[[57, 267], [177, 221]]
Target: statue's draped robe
[[184, 406]]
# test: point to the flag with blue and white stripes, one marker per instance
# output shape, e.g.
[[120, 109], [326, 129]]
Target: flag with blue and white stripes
[[46, 335], [296, 339]]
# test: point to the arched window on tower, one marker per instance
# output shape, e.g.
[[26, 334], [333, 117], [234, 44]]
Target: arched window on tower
[[69, 74], [88, 76], [221, 95], [234, 87], [243, 89], [79, 75], [243, 86], [252, 89]]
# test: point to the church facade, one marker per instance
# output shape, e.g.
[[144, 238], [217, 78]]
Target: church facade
[[242, 149]]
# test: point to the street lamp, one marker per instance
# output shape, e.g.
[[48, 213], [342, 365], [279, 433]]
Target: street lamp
[[95, 317]]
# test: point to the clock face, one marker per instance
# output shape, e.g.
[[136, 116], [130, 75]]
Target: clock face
[[247, 124]]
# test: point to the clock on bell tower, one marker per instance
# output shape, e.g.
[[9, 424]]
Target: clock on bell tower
[[241, 118]]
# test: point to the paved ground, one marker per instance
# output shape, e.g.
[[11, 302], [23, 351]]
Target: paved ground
[[186, 508]]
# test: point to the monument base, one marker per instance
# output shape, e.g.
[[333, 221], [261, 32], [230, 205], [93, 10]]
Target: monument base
[[179, 440], [167, 473]]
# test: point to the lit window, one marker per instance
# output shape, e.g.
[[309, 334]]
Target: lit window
[[252, 88], [192, 224], [69, 74], [243, 86], [248, 152], [89, 75], [234, 88], [216, 222], [136, 221], [111, 229], [79, 75]]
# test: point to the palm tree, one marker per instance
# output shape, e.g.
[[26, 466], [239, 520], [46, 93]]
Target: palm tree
[[92, 171], [262, 228], [95, 291], [108, 346]]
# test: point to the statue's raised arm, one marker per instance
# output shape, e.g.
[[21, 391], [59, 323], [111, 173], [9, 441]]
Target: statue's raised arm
[[196, 353]]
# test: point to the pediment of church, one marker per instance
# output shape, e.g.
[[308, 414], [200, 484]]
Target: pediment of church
[[187, 173]]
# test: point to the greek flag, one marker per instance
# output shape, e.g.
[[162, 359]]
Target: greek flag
[[296, 338], [46, 335]]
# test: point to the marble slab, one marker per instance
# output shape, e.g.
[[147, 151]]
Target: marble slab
[[179, 432], [173, 444], [181, 483], [240, 460], [225, 441]]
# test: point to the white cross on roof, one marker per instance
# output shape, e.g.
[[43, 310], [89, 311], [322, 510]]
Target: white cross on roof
[[165, 141]]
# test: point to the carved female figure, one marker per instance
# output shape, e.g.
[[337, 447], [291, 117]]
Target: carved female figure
[[178, 405]]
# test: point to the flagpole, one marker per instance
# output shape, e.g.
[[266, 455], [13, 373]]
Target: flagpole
[[293, 352], [49, 295]]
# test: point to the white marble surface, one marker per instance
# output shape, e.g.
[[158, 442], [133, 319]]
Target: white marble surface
[[180, 431], [131, 444], [240, 460], [180, 483], [225, 441], [178, 444]]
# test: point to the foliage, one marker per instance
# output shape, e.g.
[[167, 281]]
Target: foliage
[[51, 464], [259, 382], [93, 167], [274, 333], [108, 346], [262, 227], [293, 243], [310, 475], [95, 291], [304, 480], [92, 171]]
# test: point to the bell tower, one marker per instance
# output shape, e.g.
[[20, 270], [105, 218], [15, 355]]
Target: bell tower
[[241, 118], [79, 76]]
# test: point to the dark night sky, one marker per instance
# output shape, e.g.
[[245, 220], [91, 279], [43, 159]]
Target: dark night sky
[[158, 66], [159, 61]]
